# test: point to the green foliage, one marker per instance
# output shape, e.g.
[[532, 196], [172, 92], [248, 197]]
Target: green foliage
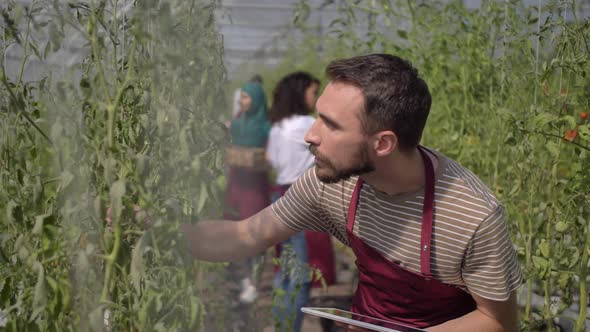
[[297, 273], [130, 130]]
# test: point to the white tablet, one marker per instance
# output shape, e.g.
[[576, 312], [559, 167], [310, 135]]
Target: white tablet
[[369, 323]]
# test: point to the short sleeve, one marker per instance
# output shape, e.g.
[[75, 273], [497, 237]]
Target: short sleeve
[[490, 268], [272, 147], [299, 207]]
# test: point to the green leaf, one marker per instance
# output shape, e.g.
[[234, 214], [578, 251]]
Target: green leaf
[[140, 162], [584, 132], [46, 49], [2, 285], [40, 293], [543, 119], [9, 211], [52, 284], [221, 182], [553, 148], [35, 50], [515, 189], [66, 179], [55, 36], [137, 266], [561, 226], [563, 280], [541, 264], [510, 139], [196, 311], [544, 247], [196, 165], [569, 120], [575, 257], [38, 228], [159, 303], [203, 195], [403, 34]]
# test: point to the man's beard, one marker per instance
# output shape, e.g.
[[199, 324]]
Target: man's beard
[[362, 164]]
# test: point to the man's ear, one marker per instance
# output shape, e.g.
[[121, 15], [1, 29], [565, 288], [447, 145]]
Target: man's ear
[[385, 143]]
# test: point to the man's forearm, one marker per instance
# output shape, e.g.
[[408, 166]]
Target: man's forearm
[[227, 241], [490, 316], [473, 321], [219, 241]]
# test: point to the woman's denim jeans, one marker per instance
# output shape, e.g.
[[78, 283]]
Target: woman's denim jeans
[[294, 282]]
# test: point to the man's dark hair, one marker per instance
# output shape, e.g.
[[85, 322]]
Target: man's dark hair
[[396, 98], [289, 96]]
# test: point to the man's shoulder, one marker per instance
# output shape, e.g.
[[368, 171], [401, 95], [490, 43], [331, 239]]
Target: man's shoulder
[[459, 180]]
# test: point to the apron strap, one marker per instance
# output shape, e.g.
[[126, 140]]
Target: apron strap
[[427, 214], [353, 204]]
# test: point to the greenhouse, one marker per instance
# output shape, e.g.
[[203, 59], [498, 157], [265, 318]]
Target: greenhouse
[[295, 165]]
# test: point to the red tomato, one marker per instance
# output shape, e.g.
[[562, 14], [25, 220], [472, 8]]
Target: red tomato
[[570, 135], [584, 115]]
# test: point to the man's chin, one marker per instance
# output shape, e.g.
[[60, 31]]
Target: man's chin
[[328, 177]]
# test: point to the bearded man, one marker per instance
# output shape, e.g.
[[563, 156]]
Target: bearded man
[[432, 246]]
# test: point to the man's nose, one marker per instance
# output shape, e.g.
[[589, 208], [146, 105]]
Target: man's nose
[[311, 137]]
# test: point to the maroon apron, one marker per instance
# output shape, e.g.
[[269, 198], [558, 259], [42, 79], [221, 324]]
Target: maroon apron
[[388, 291]]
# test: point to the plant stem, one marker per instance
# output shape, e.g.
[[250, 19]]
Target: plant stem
[[95, 51], [528, 262], [112, 109], [547, 282], [503, 62], [583, 302], [3, 49], [555, 136], [111, 259], [537, 54], [25, 50]]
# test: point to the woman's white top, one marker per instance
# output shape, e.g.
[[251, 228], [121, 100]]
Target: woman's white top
[[287, 151]]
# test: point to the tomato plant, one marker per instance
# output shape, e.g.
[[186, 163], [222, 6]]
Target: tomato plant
[[133, 123]]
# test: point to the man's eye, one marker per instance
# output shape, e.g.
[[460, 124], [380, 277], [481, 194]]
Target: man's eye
[[330, 125]]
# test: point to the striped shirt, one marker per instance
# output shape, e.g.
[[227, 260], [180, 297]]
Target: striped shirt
[[470, 248]]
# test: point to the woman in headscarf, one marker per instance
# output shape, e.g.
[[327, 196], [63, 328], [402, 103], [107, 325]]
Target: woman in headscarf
[[248, 187]]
